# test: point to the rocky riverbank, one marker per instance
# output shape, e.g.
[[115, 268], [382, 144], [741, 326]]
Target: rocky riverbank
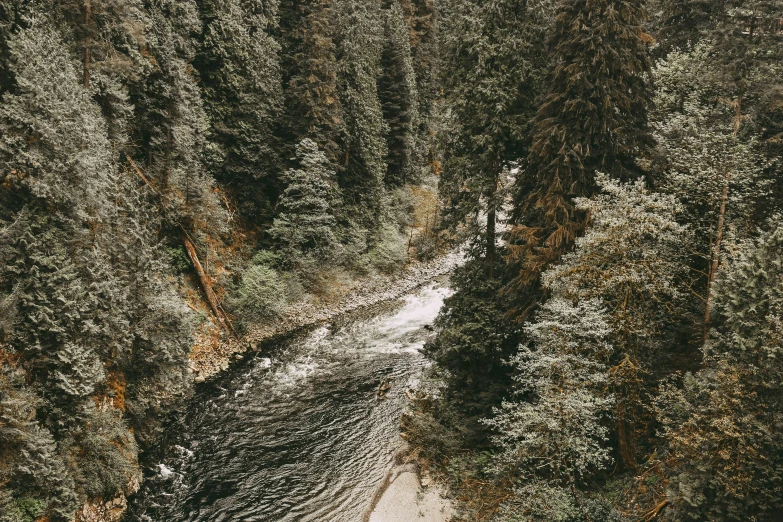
[[408, 494], [211, 355]]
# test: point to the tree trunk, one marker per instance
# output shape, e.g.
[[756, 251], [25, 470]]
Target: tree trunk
[[491, 240], [715, 257], [87, 43], [205, 284], [492, 219]]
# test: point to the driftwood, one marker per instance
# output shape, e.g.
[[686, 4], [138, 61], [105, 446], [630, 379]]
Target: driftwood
[[206, 286]]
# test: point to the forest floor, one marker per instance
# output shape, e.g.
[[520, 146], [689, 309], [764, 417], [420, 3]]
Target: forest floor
[[212, 353]]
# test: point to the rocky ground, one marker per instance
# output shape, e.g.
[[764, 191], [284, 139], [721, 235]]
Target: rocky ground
[[211, 355], [408, 495]]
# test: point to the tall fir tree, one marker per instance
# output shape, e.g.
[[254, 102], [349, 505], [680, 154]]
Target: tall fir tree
[[364, 156], [239, 65], [722, 426], [313, 107], [400, 99], [171, 128], [594, 117], [492, 72]]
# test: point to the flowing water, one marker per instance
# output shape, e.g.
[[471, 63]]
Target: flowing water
[[298, 435]]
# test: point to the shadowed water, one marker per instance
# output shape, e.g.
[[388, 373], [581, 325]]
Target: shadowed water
[[299, 436]]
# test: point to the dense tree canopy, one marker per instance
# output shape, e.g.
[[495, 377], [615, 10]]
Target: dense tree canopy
[[172, 168]]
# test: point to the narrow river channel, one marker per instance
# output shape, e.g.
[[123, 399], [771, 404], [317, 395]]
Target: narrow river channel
[[297, 434]]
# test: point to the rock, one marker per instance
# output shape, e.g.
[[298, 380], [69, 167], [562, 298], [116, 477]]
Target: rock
[[199, 379]]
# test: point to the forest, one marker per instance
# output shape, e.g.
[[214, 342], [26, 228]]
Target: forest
[[172, 170]]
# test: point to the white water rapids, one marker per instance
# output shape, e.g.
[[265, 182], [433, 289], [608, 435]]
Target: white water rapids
[[297, 434]]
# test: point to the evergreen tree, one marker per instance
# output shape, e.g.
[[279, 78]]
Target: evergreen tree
[[313, 108], [81, 275], [399, 97], [32, 472], [632, 257], [109, 38], [364, 161], [238, 62], [594, 117], [492, 71], [554, 436], [304, 226], [171, 125], [722, 427]]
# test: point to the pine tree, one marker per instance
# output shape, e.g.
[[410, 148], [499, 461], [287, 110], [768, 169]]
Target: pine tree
[[722, 426], [313, 108], [706, 156], [239, 65], [364, 162], [554, 435], [171, 127], [81, 274], [594, 117], [304, 226], [492, 71], [632, 257], [32, 468], [400, 99]]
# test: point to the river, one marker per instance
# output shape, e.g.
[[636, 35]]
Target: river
[[296, 434]]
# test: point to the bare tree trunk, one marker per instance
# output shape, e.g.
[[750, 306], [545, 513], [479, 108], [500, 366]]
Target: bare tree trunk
[[715, 256], [491, 240], [491, 219], [205, 284], [87, 43]]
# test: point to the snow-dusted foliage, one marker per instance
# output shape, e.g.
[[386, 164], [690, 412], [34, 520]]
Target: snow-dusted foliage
[[556, 431]]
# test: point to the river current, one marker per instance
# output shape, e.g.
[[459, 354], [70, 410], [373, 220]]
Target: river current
[[296, 434]]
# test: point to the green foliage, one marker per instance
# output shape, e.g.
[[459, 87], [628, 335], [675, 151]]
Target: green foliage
[[593, 117], [101, 452], [399, 98], [360, 44], [304, 226], [539, 501], [261, 295], [238, 61], [558, 432], [389, 250], [721, 426], [473, 341], [313, 107]]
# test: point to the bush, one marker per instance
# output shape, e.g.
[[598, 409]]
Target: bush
[[389, 252], [101, 452], [261, 295]]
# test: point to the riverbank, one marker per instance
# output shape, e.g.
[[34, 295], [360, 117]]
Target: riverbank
[[210, 355], [406, 495]]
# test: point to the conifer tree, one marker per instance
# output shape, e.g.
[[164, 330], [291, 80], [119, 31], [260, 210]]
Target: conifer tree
[[553, 436], [171, 125], [364, 160], [594, 117], [399, 97], [239, 65], [722, 426], [491, 71], [313, 108], [632, 257], [304, 226]]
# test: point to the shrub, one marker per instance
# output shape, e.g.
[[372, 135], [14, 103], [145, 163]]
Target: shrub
[[261, 295], [389, 251]]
